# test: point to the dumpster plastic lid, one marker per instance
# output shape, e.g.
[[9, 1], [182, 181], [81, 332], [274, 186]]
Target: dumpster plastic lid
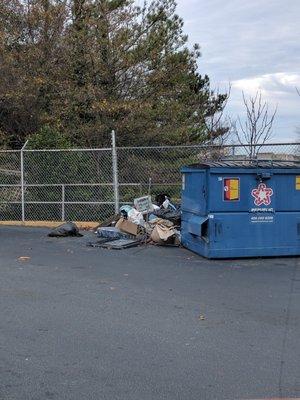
[[247, 164]]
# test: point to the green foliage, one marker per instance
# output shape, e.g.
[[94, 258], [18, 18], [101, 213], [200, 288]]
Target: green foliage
[[86, 67], [48, 138]]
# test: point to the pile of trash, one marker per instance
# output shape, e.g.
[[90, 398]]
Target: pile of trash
[[143, 222]]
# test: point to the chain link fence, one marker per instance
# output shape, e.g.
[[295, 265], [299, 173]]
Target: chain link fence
[[90, 184]]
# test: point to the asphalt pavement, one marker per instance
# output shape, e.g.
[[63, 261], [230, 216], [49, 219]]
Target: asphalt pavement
[[147, 323]]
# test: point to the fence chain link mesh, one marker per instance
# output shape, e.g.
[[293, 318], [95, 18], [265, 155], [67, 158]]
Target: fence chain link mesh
[[79, 184], [10, 185]]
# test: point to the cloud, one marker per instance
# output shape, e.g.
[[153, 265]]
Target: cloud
[[277, 84], [250, 37], [254, 45], [279, 91]]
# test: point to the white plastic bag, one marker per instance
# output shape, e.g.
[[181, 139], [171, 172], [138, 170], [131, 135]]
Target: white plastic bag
[[136, 217]]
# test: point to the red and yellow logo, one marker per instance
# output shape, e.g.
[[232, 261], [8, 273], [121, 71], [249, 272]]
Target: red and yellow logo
[[231, 189]]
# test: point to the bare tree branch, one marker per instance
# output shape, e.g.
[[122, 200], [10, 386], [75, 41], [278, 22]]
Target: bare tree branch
[[256, 129]]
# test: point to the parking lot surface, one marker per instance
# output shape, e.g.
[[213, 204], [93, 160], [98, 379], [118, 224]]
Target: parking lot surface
[[145, 323]]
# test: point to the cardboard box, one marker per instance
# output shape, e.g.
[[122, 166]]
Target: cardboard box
[[129, 227]]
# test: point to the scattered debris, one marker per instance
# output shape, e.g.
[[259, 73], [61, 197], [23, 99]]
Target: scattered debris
[[144, 222], [129, 227], [143, 204], [102, 282], [170, 214], [66, 229], [99, 242], [163, 231], [120, 244], [136, 217], [111, 221], [124, 210], [161, 197], [112, 233], [24, 258]]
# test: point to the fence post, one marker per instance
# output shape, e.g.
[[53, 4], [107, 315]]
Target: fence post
[[115, 171], [23, 181], [62, 203]]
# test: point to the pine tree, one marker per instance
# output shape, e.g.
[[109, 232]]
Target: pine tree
[[85, 67]]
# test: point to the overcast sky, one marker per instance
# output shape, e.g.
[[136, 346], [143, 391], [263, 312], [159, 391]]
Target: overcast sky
[[254, 45]]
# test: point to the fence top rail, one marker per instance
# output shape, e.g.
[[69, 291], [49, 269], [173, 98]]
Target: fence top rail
[[207, 145], [191, 146], [66, 150]]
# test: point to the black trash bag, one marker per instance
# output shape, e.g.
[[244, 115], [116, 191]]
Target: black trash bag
[[66, 229], [170, 214], [161, 197]]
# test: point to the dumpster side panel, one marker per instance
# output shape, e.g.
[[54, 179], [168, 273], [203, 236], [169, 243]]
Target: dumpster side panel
[[237, 235], [257, 230], [194, 191]]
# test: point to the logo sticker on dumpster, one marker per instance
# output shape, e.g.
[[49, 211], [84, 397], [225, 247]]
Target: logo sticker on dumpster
[[231, 188], [262, 195]]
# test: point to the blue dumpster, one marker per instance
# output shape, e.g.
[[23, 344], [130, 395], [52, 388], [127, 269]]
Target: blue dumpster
[[241, 208]]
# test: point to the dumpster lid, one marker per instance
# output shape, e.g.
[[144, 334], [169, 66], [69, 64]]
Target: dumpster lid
[[229, 163]]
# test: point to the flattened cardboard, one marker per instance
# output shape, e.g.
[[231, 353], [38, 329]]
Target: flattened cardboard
[[128, 227]]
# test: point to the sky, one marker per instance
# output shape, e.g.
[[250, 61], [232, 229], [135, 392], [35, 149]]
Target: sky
[[251, 45]]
